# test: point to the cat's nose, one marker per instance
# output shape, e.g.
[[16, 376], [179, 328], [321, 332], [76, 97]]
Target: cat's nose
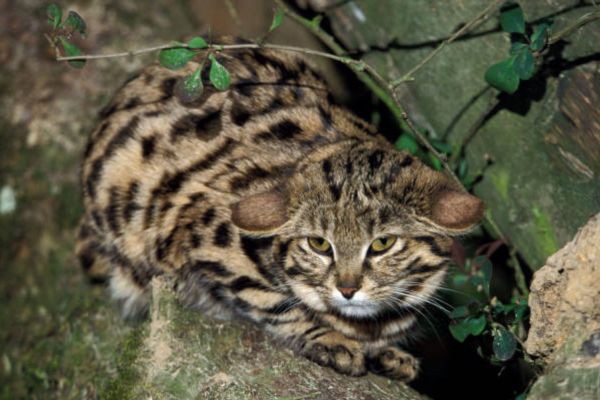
[[347, 292]]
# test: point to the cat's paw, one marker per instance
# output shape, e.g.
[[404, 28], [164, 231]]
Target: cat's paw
[[336, 351], [393, 363]]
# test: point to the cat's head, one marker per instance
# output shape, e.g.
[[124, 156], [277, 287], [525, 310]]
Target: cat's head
[[367, 228]]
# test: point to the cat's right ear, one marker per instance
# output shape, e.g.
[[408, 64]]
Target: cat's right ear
[[261, 212]]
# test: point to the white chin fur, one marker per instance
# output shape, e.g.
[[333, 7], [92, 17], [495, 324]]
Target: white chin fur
[[358, 306]]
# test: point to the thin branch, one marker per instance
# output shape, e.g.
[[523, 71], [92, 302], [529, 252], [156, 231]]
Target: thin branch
[[579, 22], [472, 24]]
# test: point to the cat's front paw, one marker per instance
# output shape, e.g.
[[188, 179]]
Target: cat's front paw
[[336, 351], [393, 363]]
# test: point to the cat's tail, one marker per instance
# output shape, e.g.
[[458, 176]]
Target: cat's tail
[[94, 261]]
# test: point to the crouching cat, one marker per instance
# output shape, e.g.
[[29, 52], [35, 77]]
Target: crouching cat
[[268, 202]]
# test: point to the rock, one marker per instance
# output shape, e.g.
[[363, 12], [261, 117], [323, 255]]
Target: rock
[[180, 354], [565, 318]]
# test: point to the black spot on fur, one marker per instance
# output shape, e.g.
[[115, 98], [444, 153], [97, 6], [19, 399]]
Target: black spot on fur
[[118, 141], [222, 235], [168, 87], [209, 216], [204, 127], [148, 145], [210, 266], [112, 211], [239, 114]]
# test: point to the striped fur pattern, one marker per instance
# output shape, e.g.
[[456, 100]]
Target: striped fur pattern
[[222, 195]]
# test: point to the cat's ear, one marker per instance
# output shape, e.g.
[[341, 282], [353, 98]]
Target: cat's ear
[[456, 211], [261, 212]]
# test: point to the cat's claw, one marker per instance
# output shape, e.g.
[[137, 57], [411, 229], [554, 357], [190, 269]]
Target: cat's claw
[[334, 350], [393, 363]]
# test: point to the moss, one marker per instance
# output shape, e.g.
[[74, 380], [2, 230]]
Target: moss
[[546, 239], [128, 370], [500, 178]]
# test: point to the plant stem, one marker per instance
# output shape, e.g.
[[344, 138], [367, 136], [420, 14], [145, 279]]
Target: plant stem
[[579, 22], [472, 24]]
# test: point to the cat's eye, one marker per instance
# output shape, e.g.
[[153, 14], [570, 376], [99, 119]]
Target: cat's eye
[[382, 244], [320, 245]]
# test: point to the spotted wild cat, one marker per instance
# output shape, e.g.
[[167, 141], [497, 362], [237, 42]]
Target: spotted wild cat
[[269, 202]]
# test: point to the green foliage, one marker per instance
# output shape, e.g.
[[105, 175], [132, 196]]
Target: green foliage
[[503, 76], [464, 327], [176, 57], [277, 19], [63, 31], [76, 23], [504, 344], [512, 19], [197, 43], [191, 87], [72, 51], [524, 50], [54, 15], [485, 317], [218, 75]]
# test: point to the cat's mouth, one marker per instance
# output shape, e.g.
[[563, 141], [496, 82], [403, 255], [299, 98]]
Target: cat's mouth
[[357, 307]]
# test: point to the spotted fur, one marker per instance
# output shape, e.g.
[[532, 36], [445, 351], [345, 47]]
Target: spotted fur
[[222, 194]]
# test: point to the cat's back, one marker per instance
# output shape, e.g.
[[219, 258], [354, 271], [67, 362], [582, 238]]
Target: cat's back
[[154, 155]]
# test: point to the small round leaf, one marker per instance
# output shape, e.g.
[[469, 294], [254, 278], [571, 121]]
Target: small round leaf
[[197, 43], [504, 344], [502, 76], [190, 88], [512, 19], [175, 58], [407, 142], [524, 64], [76, 22], [539, 36], [54, 15], [277, 19], [72, 51], [218, 74]]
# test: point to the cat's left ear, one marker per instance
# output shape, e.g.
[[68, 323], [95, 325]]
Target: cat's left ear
[[261, 212], [456, 211]]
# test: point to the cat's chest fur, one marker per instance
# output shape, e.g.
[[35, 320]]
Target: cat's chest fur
[[229, 193]]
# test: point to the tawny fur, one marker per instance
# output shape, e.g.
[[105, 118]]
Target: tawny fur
[[223, 193]]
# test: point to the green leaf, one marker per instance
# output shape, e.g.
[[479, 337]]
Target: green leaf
[[441, 146], [175, 58], [190, 88], [407, 142], [468, 326], [75, 22], [218, 75], [512, 19], [277, 19], [503, 76], [197, 43], [504, 344], [485, 266], [539, 36], [524, 65], [459, 279], [517, 47], [520, 310], [459, 312], [72, 51], [316, 21], [54, 15], [434, 162]]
